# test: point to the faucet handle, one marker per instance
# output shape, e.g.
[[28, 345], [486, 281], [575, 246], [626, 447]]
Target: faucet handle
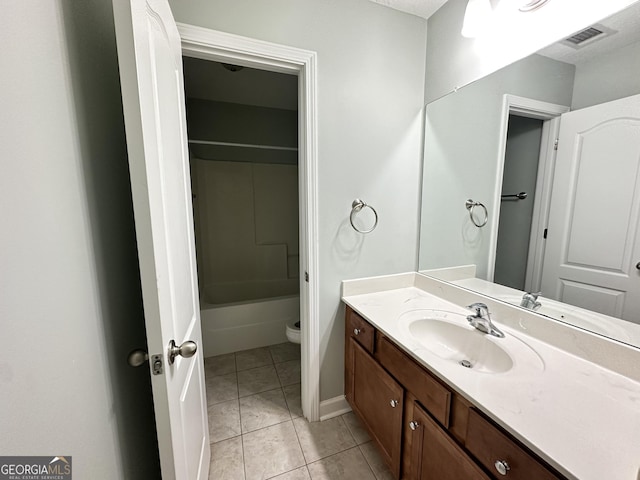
[[478, 307], [534, 295]]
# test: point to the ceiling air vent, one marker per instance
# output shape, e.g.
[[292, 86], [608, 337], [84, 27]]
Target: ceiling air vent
[[588, 36]]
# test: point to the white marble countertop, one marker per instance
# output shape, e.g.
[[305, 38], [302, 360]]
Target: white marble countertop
[[580, 417]]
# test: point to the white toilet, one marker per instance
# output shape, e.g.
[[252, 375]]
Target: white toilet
[[293, 331]]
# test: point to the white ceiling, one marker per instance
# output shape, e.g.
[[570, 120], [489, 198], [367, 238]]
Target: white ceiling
[[421, 8], [626, 24]]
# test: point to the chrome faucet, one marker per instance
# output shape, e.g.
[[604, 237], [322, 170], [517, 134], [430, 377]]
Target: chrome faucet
[[530, 301], [482, 320]]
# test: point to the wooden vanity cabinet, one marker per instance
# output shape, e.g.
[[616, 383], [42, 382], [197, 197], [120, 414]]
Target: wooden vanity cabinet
[[423, 428], [378, 400], [435, 455]]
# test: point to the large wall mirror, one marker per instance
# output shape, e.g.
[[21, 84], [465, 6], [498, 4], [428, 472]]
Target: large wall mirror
[[531, 181]]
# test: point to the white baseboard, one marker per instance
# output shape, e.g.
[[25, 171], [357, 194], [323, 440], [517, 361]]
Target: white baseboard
[[333, 407]]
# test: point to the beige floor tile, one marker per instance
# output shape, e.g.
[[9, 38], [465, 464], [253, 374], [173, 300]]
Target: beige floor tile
[[321, 439], [298, 474], [293, 397], [375, 461], [347, 465], [257, 357], [224, 420], [257, 380], [220, 365], [227, 460], [271, 451], [283, 352], [221, 388], [263, 410], [288, 372], [355, 427]]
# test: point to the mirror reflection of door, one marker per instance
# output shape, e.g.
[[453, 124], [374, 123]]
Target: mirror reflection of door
[[522, 156], [593, 246]]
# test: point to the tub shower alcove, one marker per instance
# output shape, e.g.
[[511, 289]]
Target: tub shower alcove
[[244, 174]]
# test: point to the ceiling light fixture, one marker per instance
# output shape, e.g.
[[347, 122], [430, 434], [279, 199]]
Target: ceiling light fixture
[[476, 17], [531, 5]]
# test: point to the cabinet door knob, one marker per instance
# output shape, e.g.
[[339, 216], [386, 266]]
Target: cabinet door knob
[[394, 403], [413, 425], [502, 467], [356, 331]]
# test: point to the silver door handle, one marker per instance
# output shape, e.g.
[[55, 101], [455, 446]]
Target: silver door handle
[[137, 358], [187, 350]]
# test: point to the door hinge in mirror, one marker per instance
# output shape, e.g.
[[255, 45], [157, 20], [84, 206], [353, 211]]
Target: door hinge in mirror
[[544, 235], [555, 144], [306, 277]]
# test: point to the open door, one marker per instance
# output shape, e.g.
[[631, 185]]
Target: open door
[[150, 59], [592, 257]]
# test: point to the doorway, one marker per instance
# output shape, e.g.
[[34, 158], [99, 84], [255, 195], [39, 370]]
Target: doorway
[[243, 153], [523, 191], [522, 158], [205, 44]]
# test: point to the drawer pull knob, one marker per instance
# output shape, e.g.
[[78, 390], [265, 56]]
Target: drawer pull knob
[[394, 403], [356, 331], [413, 425], [502, 467]]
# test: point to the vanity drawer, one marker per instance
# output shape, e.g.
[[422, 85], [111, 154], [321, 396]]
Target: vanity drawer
[[360, 330], [490, 445], [433, 396]]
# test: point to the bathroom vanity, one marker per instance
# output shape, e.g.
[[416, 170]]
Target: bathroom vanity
[[444, 401]]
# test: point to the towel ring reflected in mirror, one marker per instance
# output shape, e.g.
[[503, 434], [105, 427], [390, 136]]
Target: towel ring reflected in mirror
[[356, 207], [470, 205]]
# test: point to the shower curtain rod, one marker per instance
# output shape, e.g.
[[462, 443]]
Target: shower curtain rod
[[245, 145]]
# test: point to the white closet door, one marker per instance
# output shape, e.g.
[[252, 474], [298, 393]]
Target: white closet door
[[150, 59], [593, 243]]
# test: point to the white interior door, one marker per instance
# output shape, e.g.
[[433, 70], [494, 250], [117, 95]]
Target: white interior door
[[150, 59], [593, 243]]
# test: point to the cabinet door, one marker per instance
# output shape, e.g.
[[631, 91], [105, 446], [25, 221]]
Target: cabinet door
[[435, 455], [378, 400]]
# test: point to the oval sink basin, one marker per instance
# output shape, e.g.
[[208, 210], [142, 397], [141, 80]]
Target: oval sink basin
[[449, 337], [465, 345]]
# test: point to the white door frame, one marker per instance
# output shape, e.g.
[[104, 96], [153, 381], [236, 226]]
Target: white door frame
[[550, 113], [218, 46]]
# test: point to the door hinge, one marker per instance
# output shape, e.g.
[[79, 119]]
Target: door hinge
[[555, 144], [306, 277], [156, 364], [544, 235]]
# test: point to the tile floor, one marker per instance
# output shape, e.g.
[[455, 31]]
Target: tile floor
[[257, 430]]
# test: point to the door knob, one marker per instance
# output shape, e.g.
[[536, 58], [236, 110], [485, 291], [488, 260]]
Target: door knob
[[413, 425], [638, 265], [187, 350], [137, 358]]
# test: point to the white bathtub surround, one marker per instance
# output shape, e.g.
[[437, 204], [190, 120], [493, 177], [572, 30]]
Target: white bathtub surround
[[577, 408], [245, 325]]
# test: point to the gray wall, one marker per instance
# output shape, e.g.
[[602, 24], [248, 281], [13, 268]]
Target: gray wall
[[70, 299], [461, 157], [609, 77], [370, 93]]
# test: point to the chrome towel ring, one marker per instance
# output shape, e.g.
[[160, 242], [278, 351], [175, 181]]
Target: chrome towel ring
[[358, 205], [470, 205]]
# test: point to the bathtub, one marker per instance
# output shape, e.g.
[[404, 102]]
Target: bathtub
[[240, 316]]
